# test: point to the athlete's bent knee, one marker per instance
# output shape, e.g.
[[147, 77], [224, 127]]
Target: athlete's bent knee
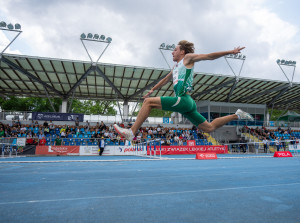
[[207, 127]]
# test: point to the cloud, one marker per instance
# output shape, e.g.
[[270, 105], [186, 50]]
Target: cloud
[[52, 29]]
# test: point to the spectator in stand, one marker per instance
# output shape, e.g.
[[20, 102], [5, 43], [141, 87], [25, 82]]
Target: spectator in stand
[[176, 138], [51, 127], [36, 129], [2, 132], [77, 122], [57, 141], [42, 141], [63, 134], [106, 134], [45, 124], [41, 135], [29, 139]]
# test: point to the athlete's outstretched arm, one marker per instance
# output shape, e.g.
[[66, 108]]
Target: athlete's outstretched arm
[[192, 58], [161, 83]]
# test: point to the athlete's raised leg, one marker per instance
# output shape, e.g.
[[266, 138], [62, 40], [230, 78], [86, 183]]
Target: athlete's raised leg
[[219, 122], [148, 105]]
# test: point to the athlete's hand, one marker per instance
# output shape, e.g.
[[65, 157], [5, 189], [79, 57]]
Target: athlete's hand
[[237, 50], [148, 94]]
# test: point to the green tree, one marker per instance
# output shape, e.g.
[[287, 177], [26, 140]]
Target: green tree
[[29, 104], [275, 114], [93, 107]]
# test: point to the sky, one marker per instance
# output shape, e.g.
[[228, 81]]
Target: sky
[[268, 29]]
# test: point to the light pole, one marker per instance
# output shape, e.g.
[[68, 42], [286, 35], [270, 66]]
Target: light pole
[[10, 28]]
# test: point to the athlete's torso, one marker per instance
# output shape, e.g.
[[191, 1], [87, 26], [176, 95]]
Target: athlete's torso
[[182, 78]]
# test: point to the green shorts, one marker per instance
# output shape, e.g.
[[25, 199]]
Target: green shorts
[[185, 105]]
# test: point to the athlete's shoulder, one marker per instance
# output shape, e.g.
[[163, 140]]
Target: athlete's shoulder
[[188, 59]]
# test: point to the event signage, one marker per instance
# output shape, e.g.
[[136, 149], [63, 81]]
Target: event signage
[[283, 154], [55, 116], [57, 150], [206, 156], [176, 150], [89, 150], [117, 150]]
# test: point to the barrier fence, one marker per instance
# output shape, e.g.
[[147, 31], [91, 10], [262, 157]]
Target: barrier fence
[[146, 148]]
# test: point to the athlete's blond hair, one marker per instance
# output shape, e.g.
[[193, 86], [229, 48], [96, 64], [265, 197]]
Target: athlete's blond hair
[[187, 46]]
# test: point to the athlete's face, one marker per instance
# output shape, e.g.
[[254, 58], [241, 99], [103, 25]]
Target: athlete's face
[[177, 54]]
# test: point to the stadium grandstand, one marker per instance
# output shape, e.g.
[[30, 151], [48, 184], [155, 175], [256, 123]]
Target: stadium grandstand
[[216, 95]]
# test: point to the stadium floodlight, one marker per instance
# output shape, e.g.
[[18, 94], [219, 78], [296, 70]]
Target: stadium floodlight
[[3, 24], [164, 46], [236, 56], [96, 36], [109, 39], [10, 26], [102, 37], [17, 26], [286, 62]]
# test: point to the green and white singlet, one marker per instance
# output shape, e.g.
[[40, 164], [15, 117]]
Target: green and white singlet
[[182, 79], [182, 102]]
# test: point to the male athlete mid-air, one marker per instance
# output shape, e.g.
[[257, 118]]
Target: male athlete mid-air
[[182, 74]]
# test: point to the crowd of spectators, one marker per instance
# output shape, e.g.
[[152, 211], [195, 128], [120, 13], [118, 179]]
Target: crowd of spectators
[[48, 132], [278, 137]]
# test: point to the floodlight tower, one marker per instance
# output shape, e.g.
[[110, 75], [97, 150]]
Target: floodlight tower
[[10, 28], [96, 38], [283, 62], [290, 63], [237, 77]]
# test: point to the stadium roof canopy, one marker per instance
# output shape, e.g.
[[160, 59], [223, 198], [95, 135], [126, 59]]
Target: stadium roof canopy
[[41, 77]]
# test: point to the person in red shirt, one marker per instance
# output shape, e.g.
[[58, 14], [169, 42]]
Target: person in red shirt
[[42, 141]]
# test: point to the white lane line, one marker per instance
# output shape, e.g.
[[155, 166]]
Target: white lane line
[[144, 195]]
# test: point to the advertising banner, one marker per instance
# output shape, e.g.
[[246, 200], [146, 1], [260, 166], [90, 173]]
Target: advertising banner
[[21, 141], [283, 154], [89, 151], [176, 150], [57, 150], [122, 151], [55, 116], [206, 156]]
